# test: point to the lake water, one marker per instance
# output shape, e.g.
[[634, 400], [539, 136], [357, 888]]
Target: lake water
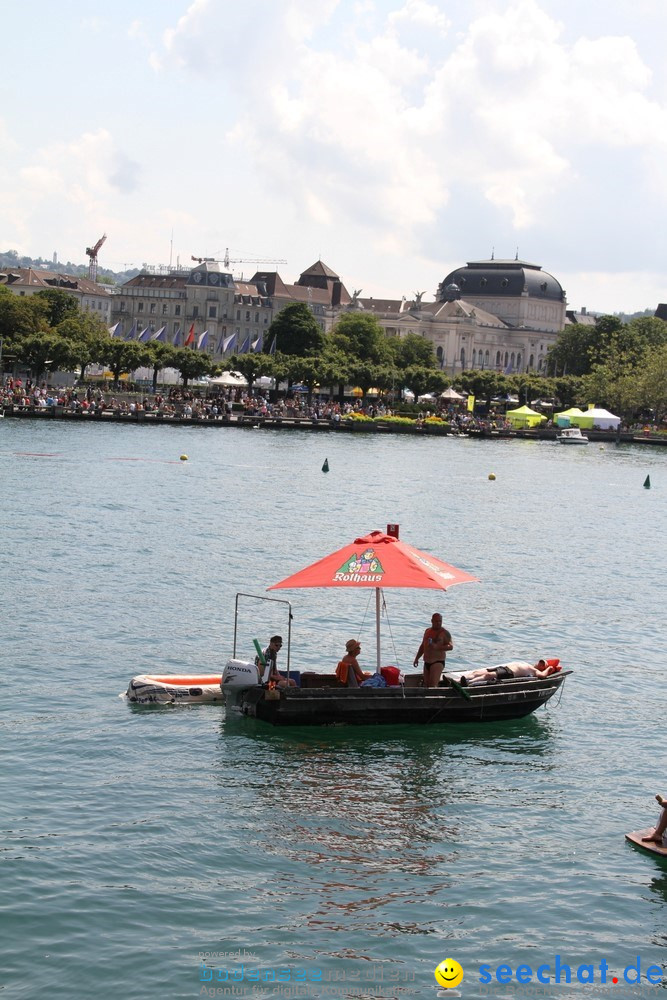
[[135, 841]]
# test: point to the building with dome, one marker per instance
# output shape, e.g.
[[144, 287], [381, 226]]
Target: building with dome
[[489, 314]]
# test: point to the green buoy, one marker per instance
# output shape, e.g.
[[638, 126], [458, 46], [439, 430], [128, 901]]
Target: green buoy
[[647, 483], [325, 467]]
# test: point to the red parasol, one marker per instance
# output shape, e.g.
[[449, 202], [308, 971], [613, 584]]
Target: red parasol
[[378, 560]]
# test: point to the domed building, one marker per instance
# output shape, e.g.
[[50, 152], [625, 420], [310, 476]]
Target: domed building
[[519, 293], [489, 314]]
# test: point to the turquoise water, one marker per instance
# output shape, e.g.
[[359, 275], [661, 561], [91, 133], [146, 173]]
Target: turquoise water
[[135, 841]]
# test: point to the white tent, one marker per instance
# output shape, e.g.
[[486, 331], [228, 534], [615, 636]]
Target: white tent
[[451, 394], [600, 418], [229, 378]]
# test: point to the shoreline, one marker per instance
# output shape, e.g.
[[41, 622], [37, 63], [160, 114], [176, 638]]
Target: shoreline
[[313, 424]]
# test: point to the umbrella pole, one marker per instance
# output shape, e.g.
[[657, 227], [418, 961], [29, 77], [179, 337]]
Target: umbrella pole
[[377, 628]]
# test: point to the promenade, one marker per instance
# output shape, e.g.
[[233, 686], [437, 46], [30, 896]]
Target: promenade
[[340, 425]]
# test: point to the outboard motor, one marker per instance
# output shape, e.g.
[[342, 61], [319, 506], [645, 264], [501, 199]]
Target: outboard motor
[[237, 677]]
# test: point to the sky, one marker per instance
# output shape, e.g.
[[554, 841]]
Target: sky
[[393, 139]]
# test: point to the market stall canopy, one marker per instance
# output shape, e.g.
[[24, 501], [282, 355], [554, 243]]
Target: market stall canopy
[[595, 417], [567, 417], [229, 378], [524, 417], [451, 394]]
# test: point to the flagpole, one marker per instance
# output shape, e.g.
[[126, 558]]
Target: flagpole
[[377, 628]]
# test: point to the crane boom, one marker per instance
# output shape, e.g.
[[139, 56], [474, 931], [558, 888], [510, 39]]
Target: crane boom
[[92, 253]]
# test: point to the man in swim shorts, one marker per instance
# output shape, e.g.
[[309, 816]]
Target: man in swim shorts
[[434, 647], [504, 671]]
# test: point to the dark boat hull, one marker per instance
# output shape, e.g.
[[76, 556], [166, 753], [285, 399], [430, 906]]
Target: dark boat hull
[[321, 706]]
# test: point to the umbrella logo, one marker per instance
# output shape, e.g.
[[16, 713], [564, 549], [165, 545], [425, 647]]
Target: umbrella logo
[[364, 568]]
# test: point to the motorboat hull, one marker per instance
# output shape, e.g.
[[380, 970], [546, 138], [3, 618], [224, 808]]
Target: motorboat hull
[[329, 705]]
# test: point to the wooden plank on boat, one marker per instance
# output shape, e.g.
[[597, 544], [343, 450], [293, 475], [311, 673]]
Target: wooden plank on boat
[[636, 838]]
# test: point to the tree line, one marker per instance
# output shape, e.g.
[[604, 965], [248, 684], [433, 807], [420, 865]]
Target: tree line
[[619, 365]]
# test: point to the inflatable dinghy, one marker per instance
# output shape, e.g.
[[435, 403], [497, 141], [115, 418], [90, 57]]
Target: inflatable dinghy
[[147, 689]]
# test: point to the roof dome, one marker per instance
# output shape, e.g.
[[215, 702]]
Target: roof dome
[[506, 278]]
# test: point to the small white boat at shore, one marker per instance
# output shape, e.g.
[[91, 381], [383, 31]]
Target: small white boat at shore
[[571, 435], [186, 689]]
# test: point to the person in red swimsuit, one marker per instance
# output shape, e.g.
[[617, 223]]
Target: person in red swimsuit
[[434, 647]]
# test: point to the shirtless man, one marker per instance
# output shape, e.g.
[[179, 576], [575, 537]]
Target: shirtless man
[[516, 668], [659, 835], [434, 647]]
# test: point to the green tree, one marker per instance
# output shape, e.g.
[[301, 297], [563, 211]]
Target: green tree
[[59, 305], [20, 316], [88, 336], [361, 336], [159, 356], [191, 364], [571, 354], [653, 382], [421, 380], [411, 351], [39, 351], [296, 332], [252, 366], [122, 357]]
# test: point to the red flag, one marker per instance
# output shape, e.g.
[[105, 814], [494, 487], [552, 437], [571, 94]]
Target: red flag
[[190, 339]]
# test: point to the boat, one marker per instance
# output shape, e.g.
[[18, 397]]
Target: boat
[[321, 700], [186, 689], [571, 435], [376, 560]]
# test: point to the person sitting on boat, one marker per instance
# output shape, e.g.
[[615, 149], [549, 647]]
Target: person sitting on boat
[[270, 674], [659, 835], [434, 647], [505, 671], [348, 671]]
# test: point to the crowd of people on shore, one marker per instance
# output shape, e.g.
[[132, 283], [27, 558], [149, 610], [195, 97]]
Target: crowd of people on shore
[[182, 401]]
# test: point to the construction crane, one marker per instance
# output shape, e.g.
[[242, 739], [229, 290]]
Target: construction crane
[[92, 253], [227, 260]]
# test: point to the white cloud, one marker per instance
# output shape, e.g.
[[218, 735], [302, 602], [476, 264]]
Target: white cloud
[[382, 129]]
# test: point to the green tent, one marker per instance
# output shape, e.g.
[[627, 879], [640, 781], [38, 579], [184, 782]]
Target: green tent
[[567, 418], [524, 417]]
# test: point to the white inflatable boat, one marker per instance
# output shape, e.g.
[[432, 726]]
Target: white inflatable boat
[[148, 689]]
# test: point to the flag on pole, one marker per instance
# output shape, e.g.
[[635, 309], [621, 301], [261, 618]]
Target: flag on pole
[[272, 348], [114, 330], [229, 343], [245, 346], [190, 339], [177, 337], [145, 334], [256, 345], [508, 370], [132, 332], [202, 340], [160, 334]]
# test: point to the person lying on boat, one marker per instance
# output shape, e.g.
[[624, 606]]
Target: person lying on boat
[[504, 671], [269, 673], [659, 835], [348, 671]]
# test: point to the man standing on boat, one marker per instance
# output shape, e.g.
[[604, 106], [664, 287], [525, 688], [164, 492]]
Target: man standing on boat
[[434, 647]]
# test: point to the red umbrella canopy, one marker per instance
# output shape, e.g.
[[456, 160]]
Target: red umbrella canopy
[[378, 560]]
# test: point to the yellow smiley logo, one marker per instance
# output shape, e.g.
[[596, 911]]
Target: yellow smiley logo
[[449, 973]]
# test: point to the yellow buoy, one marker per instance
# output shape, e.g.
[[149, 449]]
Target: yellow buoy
[[492, 475], [184, 458]]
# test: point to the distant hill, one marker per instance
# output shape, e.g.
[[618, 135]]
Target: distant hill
[[10, 258]]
